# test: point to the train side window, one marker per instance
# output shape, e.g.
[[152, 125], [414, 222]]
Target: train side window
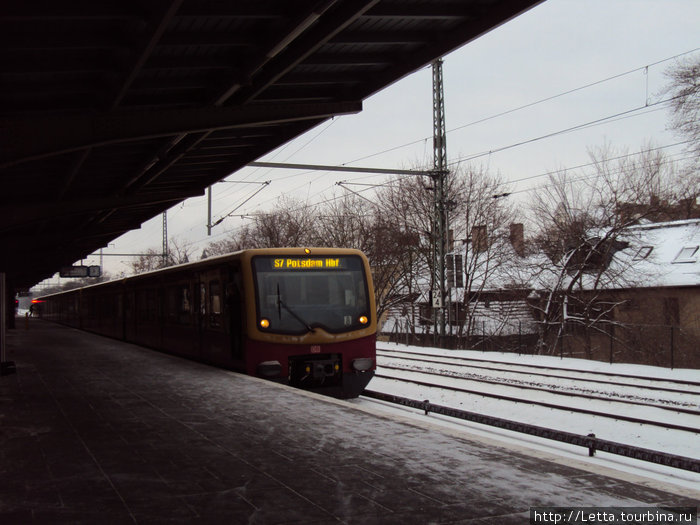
[[129, 305], [202, 299], [185, 306], [152, 305], [215, 303], [141, 305], [171, 306]]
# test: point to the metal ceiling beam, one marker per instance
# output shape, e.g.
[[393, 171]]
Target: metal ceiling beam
[[74, 10], [382, 37], [228, 9], [58, 240], [278, 42], [421, 11], [148, 44], [480, 22], [327, 27], [324, 167], [24, 214], [18, 38], [27, 139]]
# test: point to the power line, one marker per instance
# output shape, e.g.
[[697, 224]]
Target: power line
[[560, 132], [619, 157], [546, 99], [531, 104], [610, 118], [589, 176], [264, 185]]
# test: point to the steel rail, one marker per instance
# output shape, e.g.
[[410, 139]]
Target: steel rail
[[539, 374], [592, 443], [547, 405], [543, 367], [688, 411]]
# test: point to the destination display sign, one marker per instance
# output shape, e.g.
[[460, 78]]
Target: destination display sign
[[307, 263]]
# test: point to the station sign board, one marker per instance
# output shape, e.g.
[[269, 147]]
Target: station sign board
[[80, 271]]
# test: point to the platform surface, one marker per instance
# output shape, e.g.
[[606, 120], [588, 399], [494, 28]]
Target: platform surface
[[93, 430]]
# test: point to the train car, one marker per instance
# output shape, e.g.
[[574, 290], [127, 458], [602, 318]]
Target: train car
[[306, 317]]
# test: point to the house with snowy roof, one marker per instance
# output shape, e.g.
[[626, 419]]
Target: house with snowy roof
[[489, 279], [645, 310], [650, 311]]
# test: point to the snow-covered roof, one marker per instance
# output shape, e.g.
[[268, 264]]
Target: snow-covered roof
[[663, 254]]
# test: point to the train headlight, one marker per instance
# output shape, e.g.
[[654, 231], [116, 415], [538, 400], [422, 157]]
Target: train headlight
[[264, 323], [362, 364], [363, 319]]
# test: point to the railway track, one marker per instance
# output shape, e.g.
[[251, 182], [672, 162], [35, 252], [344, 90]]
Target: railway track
[[513, 396], [555, 406], [605, 378], [681, 407]]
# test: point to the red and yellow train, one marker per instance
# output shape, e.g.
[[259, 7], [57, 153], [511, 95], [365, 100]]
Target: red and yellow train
[[302, 316]]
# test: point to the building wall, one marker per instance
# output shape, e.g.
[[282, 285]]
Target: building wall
[[654, 326]]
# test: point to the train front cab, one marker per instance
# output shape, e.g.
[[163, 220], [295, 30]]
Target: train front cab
[[311, 319]]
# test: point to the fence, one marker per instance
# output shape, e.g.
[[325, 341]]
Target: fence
[[657, 345]]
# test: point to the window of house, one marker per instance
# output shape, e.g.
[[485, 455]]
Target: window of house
[[642, 253], [688, 254]]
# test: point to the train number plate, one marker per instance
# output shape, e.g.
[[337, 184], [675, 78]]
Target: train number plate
[[315, 349]]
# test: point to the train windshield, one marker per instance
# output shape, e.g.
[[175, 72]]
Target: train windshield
[[296, 295]]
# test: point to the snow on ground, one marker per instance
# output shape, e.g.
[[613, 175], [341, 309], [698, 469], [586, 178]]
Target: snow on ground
[[656, 438]]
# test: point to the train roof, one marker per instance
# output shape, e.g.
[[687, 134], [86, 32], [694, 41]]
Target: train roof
[[217, 259]]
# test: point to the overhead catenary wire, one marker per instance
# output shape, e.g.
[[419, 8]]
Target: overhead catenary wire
[[559, 132], [264, 185], [535, 103], [500, 114], [626, 114]]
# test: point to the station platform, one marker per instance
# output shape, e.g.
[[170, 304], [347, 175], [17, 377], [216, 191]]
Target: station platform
[[93, 430]]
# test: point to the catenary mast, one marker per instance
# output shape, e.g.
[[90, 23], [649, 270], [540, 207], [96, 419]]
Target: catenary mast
[[440, 220]]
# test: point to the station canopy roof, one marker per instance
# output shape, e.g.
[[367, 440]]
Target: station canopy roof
[[113, 111]]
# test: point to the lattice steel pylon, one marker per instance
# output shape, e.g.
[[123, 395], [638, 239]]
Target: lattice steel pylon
[[165, 254], [440, 219]]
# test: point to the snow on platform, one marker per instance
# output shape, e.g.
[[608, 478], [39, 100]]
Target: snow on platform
[[95, 430]]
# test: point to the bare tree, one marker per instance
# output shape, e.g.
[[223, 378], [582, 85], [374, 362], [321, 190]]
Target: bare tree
[[684, 92], [408, 203], [583, 222], [406, 206], [179, 252], [345, 221], [290, 223], [232, 243], [484, 217]]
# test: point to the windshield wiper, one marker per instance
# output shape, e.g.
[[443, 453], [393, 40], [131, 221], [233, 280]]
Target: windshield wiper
[[281, 304]]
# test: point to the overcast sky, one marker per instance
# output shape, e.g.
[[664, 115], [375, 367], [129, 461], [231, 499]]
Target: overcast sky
[[556, 47]]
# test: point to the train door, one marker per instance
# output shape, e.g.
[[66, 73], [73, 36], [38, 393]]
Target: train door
[[180, 334], [214, 344], [234, 312], [129, 314]]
